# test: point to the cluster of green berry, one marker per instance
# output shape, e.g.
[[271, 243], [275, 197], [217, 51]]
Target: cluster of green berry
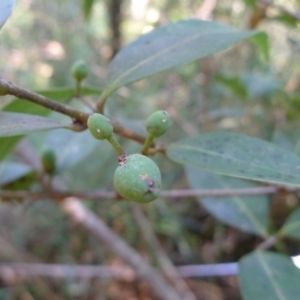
[[137, 178]]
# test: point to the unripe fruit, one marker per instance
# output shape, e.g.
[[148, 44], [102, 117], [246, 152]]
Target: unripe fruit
[[158, 123], [137, 178], [100, 126], [49, 161], [79, 70]]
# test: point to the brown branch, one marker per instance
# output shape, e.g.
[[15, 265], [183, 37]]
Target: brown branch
[[101, 194], [12, 273], [10, 88], [78, 213], [21, 93], [164, 261]]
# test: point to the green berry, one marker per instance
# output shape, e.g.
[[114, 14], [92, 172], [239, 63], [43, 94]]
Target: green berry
[[100, 126], [49, 161], [79, 70], [158, 123], [137, 178]]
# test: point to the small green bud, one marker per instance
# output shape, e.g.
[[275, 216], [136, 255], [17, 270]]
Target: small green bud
[[49, 161], [137, 178], [79, 70], [100, 126], [158, 123]]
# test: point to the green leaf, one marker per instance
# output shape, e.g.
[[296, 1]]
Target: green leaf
[[169, 46], [6, 7], [87, 7], [70, 147], [261, 41], [286, 19], [239, 156], [57, 94], [18, 124], [291, 227], [234, 83], [247, 213], [269, 276], [6, 144]]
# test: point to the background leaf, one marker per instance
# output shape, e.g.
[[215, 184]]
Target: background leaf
[[18, 124], [247, 213], [269, 276], [6, 7], [261, 41], [169, 46], [23, 106], [87, 7], [10, 171], [291, 227], [239, 156]]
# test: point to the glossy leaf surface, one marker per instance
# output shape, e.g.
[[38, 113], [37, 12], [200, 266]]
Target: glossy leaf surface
[[269, 276], [239, 156], [14, 124], [169, 46]]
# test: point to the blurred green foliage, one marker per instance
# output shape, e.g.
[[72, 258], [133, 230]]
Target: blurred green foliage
[[246, 89]]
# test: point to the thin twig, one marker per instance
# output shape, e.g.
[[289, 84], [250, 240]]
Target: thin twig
[[21, 93], [267, 244], [92, 223], [10, 273], [166, 264], [176, 194], [15, 272], [79, 116], [78, 213]]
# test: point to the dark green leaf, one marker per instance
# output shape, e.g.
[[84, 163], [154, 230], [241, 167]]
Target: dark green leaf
[[12, 124], [247, 213], [261, 41], [291, 227], [169, 46], [269, 276], [234, 83], [238, 156]]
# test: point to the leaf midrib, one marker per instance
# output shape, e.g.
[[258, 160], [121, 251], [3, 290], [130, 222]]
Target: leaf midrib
[[222, 156], [176, 46]]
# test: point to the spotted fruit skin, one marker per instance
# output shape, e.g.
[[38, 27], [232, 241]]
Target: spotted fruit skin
[[138, 179], [158, 123], [100, 126]]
